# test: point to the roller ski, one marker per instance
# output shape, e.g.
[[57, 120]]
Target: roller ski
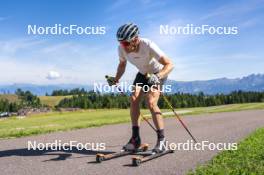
[[158, 151], [132, 147]]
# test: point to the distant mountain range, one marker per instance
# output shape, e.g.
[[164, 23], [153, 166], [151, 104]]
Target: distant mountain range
[[253, 82], [40, 89]]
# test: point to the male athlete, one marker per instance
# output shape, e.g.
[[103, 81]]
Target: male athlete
[[153, 68]]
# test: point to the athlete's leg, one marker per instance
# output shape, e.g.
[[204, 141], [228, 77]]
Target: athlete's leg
[[135, 98], [152, 98], [134, 105]]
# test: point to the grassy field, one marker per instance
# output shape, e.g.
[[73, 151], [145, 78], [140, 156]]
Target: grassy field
[[226, 108], [246, 160], [10, 97], [55, 121], [52, 100], [47, 100]]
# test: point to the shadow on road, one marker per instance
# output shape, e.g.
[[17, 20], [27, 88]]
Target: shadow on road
[[62, 154]]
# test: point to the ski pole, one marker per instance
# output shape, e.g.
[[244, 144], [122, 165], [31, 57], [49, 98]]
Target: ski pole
[[144, 118], [178, 117]]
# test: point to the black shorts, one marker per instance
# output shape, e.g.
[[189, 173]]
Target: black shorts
[[142, 81]]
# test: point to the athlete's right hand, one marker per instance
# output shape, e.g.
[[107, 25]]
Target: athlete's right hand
[[153, 79], [111, 80]]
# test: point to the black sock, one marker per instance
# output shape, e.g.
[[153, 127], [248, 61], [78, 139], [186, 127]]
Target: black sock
[[160, 134], [135, 131]]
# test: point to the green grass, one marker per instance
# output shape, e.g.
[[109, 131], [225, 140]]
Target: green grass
[[52, 100], [47, 100], [226, 108], [248, 159], [15, 127], [55, 121]]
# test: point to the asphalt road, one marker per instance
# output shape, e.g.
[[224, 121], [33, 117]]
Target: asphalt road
[[222, 127]]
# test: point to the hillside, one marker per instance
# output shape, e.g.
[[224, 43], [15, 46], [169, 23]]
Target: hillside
[[52, 100], [48, 100], [9, 97]]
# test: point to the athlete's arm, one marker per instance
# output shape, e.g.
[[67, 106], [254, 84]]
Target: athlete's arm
[[159, 55], [167, 67], [120, 69]]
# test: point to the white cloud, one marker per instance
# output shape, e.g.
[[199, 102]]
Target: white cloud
[[30, 60], [117, 5], [13, 46], [52, 75], [250, 23], [234, 9]]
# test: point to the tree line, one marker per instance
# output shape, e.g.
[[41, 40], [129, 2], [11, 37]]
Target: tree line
[[95, 100], [25, 99], [64, 92], [6, 106]]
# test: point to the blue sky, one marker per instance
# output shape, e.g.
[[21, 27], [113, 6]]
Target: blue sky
[[87, 58]]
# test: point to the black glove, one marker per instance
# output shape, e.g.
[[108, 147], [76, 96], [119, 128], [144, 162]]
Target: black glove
[[153, 79], [110, 80]]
